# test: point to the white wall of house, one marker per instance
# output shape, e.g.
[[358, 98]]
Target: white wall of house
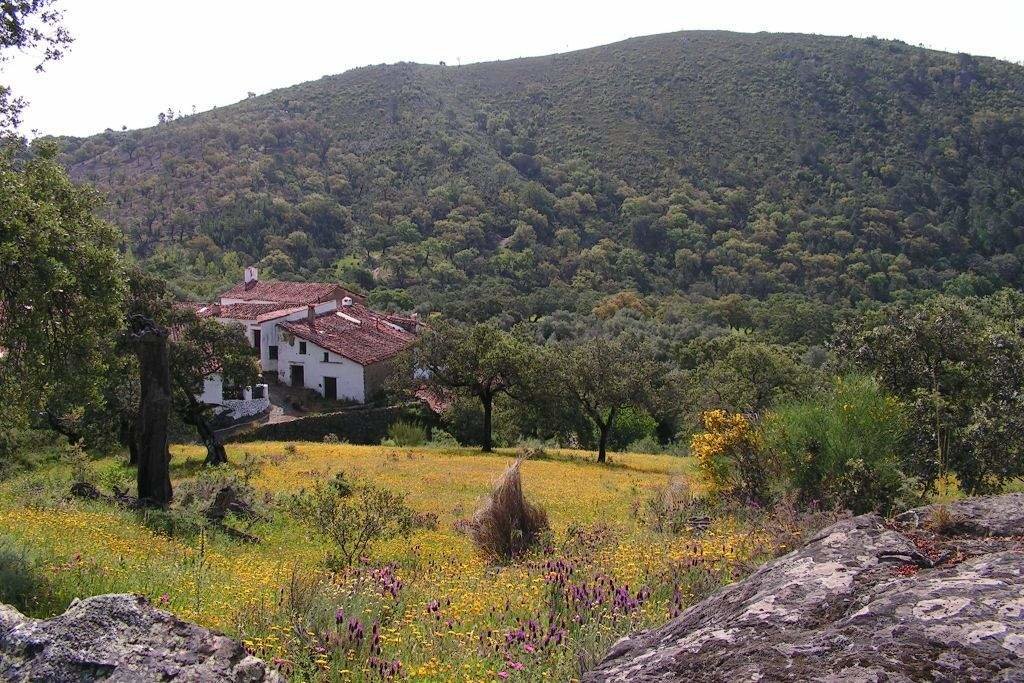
[[213, 389], [348, 373], [268, 329]]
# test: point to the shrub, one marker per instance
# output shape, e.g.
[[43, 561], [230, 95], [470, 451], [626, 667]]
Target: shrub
[[116, 476], [443, 439], [942, 520], [507, 525], [730, 458], [648, 444], [198, 494], [82, 470], [531, 450], [404, 433], [174, 522], [841, 448], [341, 485], [631, 424], [331, 438], [464, 420], [352, 524], [425, 520], [788, 523]]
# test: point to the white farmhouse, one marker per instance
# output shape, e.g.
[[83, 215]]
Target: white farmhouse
[[316, 335], [259, 306], [346, 353]]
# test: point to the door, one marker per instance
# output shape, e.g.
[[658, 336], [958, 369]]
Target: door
[[298, 376], [331, 388]]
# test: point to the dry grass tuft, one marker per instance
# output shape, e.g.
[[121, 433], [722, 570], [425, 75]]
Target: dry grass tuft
[[507, 525], [942, 520]]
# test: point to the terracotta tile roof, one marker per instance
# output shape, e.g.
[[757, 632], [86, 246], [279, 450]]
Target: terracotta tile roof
[[355, 332], [288, 292], [435, 399], [279, 313], [199, 308], [251, 311]]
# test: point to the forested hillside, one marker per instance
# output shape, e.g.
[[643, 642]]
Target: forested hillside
[[701, 164]]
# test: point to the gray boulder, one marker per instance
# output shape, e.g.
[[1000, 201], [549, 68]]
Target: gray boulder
[[984, 516], [860, 601], [120, 638]]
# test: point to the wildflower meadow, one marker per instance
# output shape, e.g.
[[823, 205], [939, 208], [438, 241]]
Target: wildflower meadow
[[428, 606]]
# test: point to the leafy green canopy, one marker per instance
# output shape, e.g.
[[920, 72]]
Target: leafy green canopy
[[61, 287], [959, 366]]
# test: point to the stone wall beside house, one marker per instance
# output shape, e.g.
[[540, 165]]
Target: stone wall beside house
[[355, 425], [235, 411]]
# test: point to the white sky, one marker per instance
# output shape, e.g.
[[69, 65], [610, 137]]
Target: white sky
[[134, 58]]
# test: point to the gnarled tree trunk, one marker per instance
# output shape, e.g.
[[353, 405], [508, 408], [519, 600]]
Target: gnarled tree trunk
[[154, 477], [195, 415], [215, 453]]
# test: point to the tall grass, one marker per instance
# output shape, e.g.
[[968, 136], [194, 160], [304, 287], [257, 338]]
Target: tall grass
[[507, 525]]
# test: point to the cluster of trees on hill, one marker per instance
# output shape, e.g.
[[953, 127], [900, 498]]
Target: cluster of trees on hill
[[704, 164], [902, 398]]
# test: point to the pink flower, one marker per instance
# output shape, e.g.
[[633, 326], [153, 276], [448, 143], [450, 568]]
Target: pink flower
[[502, 675], [516, 665], [529, 648]]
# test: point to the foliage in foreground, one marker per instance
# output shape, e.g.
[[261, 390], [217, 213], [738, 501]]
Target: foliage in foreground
[[441, 609], [731, 458], [840, 449], [958, 366], [61, 289], [353, 518]]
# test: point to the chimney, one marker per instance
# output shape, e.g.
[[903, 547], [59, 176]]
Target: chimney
[[346, 301], [252, 276], [311, 315]]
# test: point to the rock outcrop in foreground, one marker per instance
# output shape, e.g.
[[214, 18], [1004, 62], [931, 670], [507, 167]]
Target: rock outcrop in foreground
[[934, 596], [120, 638]]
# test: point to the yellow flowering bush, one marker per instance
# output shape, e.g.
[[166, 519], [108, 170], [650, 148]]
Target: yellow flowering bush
[[730, 457]]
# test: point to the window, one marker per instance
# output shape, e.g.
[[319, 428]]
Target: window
[[326, 357], [302, 348], [273, 352]]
